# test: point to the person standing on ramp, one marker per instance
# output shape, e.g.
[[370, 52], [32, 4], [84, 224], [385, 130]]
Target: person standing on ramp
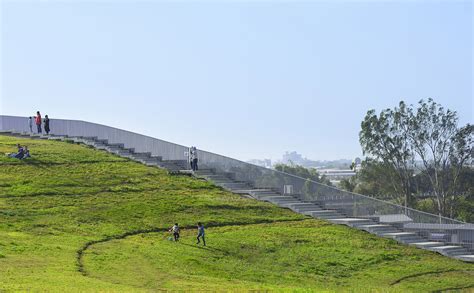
[[38, 121], [46, 124], [194, 157], [30, 124]]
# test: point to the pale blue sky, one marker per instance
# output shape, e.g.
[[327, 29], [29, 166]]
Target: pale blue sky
[[245, 79]]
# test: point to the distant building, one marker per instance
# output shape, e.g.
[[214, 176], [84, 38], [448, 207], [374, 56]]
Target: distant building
[[293, 157]]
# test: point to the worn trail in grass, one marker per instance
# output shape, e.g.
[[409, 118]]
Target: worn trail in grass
[[70, 195]]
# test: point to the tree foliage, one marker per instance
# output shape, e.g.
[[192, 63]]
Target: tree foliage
[[424, 141]]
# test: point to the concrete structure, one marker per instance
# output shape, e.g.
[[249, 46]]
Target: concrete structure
[[307, 197]]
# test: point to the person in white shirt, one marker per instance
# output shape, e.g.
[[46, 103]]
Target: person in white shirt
[[30, 123], [175, 230]]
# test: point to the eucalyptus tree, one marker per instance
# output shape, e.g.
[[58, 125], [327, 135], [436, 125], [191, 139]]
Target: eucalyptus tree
[[442, 147], [385, 138], [425, 140]]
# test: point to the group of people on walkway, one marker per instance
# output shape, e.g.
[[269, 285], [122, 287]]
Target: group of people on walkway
[[22, 153], [38, 122], [176, 230], [193, 158]]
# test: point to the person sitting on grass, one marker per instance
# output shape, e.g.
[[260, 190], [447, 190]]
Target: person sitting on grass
[[19, 154], [175, 230], [26, 153], [201, 234]]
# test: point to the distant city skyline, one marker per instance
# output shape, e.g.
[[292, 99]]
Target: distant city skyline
[[248, 80]]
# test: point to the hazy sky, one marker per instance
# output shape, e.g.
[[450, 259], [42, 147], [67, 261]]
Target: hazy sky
[[248, 79]]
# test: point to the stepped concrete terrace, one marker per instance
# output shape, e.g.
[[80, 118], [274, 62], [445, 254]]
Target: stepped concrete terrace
[[332, 209], [318, 209]]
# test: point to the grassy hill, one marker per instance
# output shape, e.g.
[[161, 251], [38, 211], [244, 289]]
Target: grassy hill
[[77, 219]]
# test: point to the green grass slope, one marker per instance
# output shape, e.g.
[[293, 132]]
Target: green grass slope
[[77, 219]]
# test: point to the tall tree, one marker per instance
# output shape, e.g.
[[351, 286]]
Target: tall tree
[[384, 137], [442, 147], [429, 134]]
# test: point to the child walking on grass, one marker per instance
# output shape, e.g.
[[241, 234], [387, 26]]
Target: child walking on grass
[[201, 234], [175, 230]]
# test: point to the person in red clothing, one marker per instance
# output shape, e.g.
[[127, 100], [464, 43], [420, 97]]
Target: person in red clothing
[[38, 121]]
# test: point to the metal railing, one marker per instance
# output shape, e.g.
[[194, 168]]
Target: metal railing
[[432, 227]]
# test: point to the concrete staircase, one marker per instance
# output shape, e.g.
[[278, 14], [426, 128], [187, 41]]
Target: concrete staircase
[[173, 166], [334, 211]]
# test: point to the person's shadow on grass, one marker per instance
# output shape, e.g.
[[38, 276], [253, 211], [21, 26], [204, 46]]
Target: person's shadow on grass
[[227, 253]]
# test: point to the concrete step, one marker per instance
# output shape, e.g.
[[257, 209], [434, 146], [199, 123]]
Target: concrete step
[[378, 228], [125, 155], [296, 202], [328, 217], [56, 138], [249, 191], [262, 196], [143, 158], [449, 250], [222, 181], [147, 161], [352, 222], [142, 155], [303, 206], [306, 209], [101, 147], [120, 152], [426, 244], [101, 141], [465, 257], [455, 252], [204, 172], [215, 177], [281, 204], [155, 164], [263, 191], [409, 240], [92, 138], [324, 214], [113, 148], [235, 183], [280, 199], [88, 142], [316, 212], [116, 145], [398, 235]]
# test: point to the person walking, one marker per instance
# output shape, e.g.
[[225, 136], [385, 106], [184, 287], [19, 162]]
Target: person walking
[[195, 159], [201, 234], [175, 230], [46, 124], [38, 121], [30, 124]]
